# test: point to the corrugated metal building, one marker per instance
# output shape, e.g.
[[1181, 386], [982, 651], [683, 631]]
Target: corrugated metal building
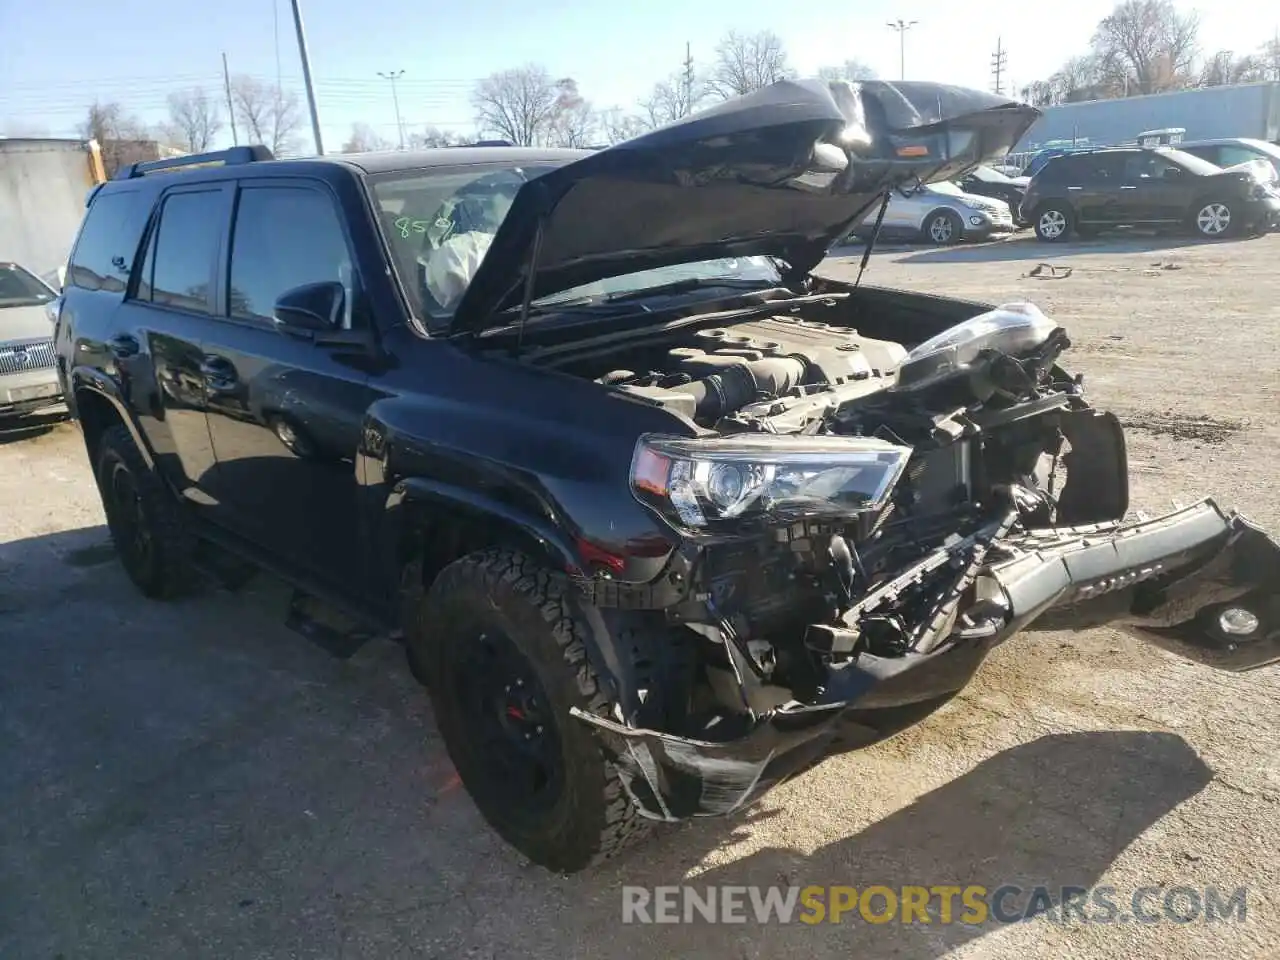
[[1244, 110]]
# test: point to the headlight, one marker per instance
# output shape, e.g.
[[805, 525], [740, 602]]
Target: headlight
[[748, 480], [1012, 328]]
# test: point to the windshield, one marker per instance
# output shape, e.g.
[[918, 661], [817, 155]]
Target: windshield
[[439, 223], [731, 269], [989, 175], [18, 288], [1193, 163], [950, 189]]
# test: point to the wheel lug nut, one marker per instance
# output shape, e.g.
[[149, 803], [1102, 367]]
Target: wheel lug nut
[[539, 730]]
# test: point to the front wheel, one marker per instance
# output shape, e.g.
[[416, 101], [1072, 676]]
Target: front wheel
[[943, 228], [1213, 220], [1053, 223], [502, 650]]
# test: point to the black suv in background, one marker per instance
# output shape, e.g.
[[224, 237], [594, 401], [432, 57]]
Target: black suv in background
[[1087, 191], [652, 504]]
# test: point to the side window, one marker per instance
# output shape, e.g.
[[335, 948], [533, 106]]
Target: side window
[[1140, 165], [1209, 153], [179, 262], [1229, 156], [284, 237], [1105, 168], [108, 242]]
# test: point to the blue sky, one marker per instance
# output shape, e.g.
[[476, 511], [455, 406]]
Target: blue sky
[[137, 51]]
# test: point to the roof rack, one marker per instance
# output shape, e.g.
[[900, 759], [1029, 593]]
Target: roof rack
[[229, 157], [489, 143]]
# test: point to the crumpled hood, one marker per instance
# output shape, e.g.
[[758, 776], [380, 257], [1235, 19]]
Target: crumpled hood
[[783, 172]]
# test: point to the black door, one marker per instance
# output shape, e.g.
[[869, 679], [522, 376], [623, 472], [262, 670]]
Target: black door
[[1155, 189], [1096, 187], [162, 321], [284, 413]]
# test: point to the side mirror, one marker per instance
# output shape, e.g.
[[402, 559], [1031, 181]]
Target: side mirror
[[310, 308], [1172, 173]]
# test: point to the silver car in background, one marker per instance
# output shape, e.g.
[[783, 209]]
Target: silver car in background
[[28, 378], [941, 214]]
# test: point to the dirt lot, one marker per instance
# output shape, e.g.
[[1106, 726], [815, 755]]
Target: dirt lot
[[196, 780]]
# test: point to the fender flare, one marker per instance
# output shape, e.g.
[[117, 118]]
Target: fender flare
[[101, 385], [526, 532]]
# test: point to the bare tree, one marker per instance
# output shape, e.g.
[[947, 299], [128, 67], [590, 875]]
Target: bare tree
[[573, 122], [1224, 67], [516, 104], [745, 62], [669, 100], [852, 70], [267, 113], [617, 125], [1270, 56], [117, 132], [1149, 44], [364, 139], [430, 138], [195, 119]]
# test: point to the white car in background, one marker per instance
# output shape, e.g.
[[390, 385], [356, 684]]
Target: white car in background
[[28, 378], [941, 214]]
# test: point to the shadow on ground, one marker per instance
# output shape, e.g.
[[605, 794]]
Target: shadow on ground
[[191, 779], [15, 429]]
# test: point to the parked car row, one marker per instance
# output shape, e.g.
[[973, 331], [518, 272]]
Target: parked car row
[[1216, 188]]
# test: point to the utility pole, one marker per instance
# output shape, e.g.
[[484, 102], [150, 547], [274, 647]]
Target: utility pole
[[306, 78], [393, 76], [687, 78], [902, 26], [231, 110], [999, 60]]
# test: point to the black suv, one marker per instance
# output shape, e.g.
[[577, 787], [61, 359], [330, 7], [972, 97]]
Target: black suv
[[651, 505], [1092, 190]]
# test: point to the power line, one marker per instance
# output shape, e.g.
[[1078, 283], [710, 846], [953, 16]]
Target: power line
[[999, 63]]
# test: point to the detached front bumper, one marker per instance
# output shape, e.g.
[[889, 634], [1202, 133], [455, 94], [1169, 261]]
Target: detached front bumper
[[1188, 582]]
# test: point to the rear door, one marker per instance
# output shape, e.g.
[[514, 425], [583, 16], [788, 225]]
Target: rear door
[[1155, 189], [162, 320], [284, 413]]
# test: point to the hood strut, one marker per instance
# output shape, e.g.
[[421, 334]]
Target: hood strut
[[871, 241], [530, 277]]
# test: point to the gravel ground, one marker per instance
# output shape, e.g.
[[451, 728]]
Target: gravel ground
[[194, 780]]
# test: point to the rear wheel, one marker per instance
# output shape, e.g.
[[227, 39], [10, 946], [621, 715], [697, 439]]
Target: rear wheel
[[145, 520], [1214, 220], [502, 650], [943, 228], [1053, 223]]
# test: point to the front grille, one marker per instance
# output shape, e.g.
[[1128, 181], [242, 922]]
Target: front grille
[[21, 357]]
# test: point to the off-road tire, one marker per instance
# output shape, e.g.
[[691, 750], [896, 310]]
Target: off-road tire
[[1042, 231], [592, 818], [165, 571]]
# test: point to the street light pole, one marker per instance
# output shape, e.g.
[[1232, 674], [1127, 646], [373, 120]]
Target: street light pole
[[306, 78], [902, 26], [393, 76]]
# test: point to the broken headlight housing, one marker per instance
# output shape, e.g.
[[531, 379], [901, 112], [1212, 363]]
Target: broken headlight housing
[[710, 485], [1013, 329]]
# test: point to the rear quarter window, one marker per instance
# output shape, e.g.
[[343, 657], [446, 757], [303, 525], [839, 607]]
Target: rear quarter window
[[108, 241]]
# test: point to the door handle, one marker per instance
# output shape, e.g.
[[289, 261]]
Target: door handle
[[219, 373], [1129, 187], [1075, 188], [123, 345]]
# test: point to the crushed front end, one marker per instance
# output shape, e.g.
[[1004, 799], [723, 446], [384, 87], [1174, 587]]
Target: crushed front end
[[873, 558]]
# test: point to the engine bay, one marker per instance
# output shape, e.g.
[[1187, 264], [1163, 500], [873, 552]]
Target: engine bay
[[775, 373]]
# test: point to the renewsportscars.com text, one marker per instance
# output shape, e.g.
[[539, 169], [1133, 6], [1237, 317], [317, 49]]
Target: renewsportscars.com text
[[938, 904]]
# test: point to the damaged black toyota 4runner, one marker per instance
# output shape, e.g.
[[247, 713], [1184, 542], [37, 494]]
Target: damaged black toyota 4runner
[[653, 505]]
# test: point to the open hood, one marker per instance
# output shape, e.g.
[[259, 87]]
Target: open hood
[[784, 171]]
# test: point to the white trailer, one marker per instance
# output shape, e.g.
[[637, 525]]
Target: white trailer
[[43, 187]]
